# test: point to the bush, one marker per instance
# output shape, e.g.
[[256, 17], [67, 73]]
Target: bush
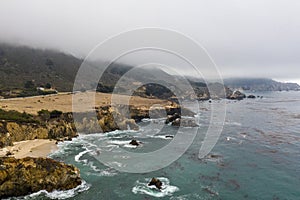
[[16, 116], [55, 114], [48, 86], [44, 114]]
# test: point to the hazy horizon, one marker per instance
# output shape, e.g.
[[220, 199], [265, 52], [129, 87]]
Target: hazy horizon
[[245, 39]]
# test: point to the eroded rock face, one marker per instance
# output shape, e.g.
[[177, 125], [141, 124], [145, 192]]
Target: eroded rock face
[[58, 128], [19, 177], [108, 118], [139, 113]]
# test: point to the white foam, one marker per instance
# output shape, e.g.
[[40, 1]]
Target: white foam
[[161, 137], [59, 194], [109, 172], [143, 188], [130, 146], [119, 142], [78, 156], [233, 123]]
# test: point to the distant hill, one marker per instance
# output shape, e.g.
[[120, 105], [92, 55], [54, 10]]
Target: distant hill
[[259, 84], [22, 69]]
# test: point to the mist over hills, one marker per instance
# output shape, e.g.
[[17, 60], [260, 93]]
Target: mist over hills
[[22, 69], [259, 84]]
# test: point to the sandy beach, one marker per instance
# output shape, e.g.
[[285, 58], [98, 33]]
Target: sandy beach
[[31, 148]]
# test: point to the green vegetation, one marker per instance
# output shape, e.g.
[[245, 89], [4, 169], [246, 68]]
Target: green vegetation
[[16, 116], [45, 115]]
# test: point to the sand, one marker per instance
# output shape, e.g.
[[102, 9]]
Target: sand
[[63, 102], [31, 148]]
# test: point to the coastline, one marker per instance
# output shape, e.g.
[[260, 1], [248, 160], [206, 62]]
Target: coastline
[[30, 148]]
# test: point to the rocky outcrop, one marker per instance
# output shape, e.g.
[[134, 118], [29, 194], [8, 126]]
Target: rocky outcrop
[[237, 95], [156, 182], [172, 118], [173, 109], [184, 122], [109, 119], [19, 177], [57, 128]]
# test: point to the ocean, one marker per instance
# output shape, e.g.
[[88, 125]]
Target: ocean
[[256, 157]]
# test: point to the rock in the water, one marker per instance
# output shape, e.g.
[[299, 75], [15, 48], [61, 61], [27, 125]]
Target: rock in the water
[[19, 177], [172, 118], [185, 122], [134, 142], [237, 95], [251, 96], [156, 182], [169, 136]]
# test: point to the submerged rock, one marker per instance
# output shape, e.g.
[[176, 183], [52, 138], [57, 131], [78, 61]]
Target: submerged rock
[[156, 182], [19, 177]]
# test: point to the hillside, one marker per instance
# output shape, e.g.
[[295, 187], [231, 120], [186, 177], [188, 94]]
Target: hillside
[[36, 67], [23, 69], [259, 84]]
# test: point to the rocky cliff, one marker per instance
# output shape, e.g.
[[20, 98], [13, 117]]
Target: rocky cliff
[[56, 128], [19, 177]]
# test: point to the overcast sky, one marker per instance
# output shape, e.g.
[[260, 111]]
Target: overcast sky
[[256, 38]]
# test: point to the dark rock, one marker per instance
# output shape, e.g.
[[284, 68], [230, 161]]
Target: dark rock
[[169, 136], [251, 96], [172, 118], [134, 142], [19, 177], [156, 182]]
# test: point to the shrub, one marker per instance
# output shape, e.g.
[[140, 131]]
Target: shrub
[[16, 116], [44, 114], [55, 114]]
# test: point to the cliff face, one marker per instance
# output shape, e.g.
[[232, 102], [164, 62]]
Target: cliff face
[[108, 118], [19, 177], [57, 128]]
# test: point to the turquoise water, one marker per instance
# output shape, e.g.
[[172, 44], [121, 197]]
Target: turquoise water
[[258, 157]]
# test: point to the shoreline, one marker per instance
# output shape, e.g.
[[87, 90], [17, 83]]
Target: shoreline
[[30, 148]]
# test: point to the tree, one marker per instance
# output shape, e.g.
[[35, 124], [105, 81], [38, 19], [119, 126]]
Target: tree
[[48, 86], [29, 84]]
